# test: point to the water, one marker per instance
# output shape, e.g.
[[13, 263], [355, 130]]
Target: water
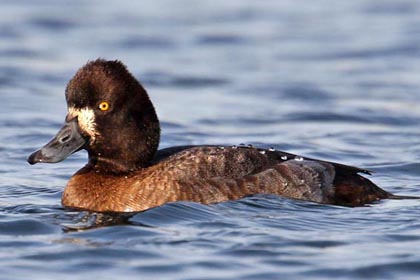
[[337, 80]]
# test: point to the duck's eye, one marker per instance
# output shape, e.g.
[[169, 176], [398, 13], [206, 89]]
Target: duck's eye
[[104, 106]]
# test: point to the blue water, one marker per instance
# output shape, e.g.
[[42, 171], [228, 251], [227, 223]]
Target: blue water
[[337, 80]]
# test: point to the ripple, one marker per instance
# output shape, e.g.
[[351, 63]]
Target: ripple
[[218, 39], [165, 79], [9, 32], [146, 42], [52, 24], [391, 8], [178, 212], [20, 53], [25, 227]]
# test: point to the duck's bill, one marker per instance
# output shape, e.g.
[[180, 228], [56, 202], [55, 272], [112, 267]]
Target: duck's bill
[[67, 141]]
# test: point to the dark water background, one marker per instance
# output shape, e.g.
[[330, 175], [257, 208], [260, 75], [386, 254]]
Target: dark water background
[[338, 80]]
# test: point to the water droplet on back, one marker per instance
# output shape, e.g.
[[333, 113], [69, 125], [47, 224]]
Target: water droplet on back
[[271, 149], [284, 157], [262, 152], [298, 158]]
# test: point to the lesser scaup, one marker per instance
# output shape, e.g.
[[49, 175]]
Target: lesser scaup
[[111, 116]]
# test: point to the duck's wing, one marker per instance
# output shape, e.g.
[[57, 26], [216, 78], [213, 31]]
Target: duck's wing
[[268, 156], [304, 180], [338, 166], [212, 174]]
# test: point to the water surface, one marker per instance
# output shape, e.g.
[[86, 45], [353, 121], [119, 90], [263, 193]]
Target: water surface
[[329, 79]]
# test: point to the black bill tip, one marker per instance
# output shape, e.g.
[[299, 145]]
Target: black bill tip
[[35, 157]]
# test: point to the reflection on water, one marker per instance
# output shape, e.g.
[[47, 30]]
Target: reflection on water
[[328, 79], [86, 220]]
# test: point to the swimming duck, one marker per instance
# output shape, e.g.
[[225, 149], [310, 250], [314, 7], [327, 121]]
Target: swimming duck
[[111, 116]]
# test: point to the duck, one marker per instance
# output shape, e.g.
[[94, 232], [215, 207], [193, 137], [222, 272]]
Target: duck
[[111, 116]]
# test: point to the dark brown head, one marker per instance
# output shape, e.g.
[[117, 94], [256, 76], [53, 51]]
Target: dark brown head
[[110, 115]]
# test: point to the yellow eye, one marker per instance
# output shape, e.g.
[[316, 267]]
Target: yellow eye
[[103, 106]]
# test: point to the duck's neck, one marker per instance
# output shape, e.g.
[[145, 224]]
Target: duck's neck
[[131, 148], [111, 166]]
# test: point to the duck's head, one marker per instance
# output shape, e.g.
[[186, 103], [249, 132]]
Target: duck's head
[[110, 115]]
